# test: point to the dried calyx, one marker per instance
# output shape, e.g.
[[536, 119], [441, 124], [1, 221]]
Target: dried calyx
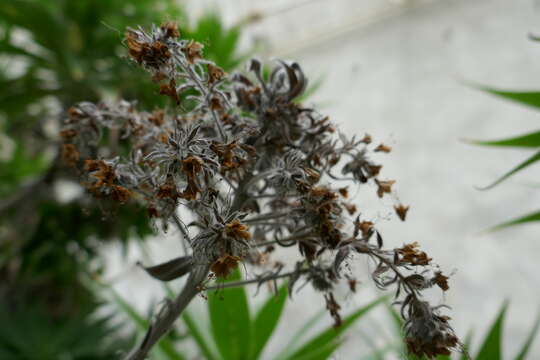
[[256, 170]]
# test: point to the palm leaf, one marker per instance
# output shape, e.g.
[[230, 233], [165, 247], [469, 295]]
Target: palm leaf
[[530, 140], [532, 335], [230, 321], [532, 217], [491, 348], [330, 335], [198, 336], [518, 168], [529, 98], [266, 321]]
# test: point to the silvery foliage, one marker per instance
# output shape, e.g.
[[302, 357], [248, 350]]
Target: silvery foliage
[[255, 170]]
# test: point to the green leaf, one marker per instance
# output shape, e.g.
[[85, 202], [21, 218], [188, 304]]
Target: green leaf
[[527, 345], [491, 348], [331, 334], [46, 28], [287, 349], [518, 168], [376, 353], [198, 336], [529, 98], [320, 353], [230, 321], [266, 321], [532, 217], [527, 140], [129, 310]]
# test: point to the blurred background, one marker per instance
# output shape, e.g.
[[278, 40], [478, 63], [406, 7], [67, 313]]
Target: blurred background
[[407, 72]]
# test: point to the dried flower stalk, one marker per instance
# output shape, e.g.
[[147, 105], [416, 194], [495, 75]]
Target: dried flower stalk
[[255, 170]]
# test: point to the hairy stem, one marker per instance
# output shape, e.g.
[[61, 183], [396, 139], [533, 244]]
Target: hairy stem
[[258, 279], [170, 313], [165, 320]]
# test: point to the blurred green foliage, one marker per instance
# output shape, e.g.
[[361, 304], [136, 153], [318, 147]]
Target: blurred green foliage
[[33, 334], [53, 54]]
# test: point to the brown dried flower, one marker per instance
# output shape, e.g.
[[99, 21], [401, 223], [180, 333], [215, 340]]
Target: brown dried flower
[[70, 155], [193, 51], [410, 254], [237, 230], [170, 28], [401, 211], [170, 90], [383, 148], [384, 186], [224, 265], [215, 73], [441, 281]]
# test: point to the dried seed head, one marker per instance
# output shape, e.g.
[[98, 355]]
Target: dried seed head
[[427, 333], [383, 148], [193, 51], [410, 254], [384, 187], [243, 157], [70, 155], [170, 29], [224, 265], [215, 73], [441, 281], [401, 211], [236, 230]]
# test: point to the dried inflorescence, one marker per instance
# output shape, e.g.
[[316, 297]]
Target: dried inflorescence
[[256, 170]]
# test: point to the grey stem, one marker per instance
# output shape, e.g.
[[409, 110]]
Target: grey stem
[[171, 312], [165, 320], [260, 280]]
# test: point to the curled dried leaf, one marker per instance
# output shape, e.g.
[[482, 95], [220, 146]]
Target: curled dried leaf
[[170, 270]]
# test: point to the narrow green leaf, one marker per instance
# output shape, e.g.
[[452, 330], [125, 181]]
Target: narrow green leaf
[[330, 335], [266, 321], [532, 335], [520, 167], [198, 336], [529, 98], [320, 353], [491, 349], [299, 335], [527, 140], [376, 354], [129, 310], [230, 321], [532, 217]]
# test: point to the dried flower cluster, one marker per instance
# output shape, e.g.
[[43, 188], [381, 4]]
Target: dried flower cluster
[[253, 170]]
